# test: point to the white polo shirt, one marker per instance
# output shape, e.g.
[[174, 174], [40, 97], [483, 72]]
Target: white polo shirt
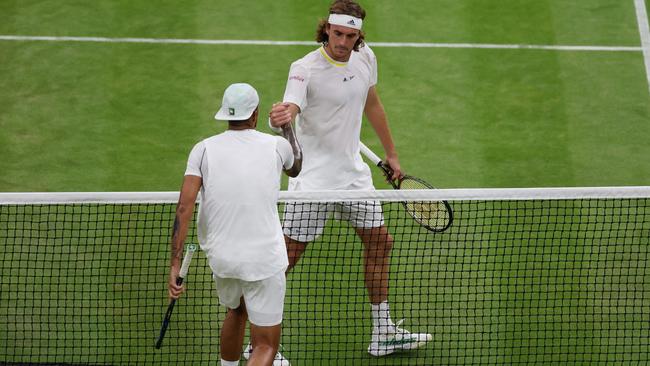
[[238, 225], [331, 96]]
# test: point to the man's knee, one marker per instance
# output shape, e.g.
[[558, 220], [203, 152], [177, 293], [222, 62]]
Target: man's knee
[[266, 337], [377, 241], [240, 311], [383, 248]]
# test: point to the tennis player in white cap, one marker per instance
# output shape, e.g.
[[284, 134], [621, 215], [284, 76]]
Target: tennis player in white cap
[[238, 175], [327, 93]]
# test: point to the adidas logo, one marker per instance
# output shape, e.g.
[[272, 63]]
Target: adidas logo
[[351, 22], [349, 78]]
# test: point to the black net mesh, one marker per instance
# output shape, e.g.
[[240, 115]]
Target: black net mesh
[[535, 282]]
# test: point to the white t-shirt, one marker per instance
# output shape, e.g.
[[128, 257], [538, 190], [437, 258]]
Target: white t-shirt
[[238, 225], [331, 96]]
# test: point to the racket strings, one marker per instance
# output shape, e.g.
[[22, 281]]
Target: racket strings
[[433, 214], [409, 182]]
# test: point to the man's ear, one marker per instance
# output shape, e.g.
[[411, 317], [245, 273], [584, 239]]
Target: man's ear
[[256, 114]]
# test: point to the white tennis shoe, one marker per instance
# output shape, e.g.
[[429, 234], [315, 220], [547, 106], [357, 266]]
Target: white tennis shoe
[[278, 361], [394, 338]]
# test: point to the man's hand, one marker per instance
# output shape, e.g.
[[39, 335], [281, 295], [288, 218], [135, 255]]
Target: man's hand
[[393, 164], [175, 290], [280, 114]]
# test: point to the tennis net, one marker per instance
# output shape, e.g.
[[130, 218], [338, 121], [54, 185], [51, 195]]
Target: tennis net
[[522, 277]]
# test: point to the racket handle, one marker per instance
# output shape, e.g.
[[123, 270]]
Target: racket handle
[[369, 154], [186, 261]]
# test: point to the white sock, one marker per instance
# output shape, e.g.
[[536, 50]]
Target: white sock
[[229, 363], [381, 316]]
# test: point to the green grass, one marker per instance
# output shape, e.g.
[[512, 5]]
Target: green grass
[[115, 117], [123, 117]]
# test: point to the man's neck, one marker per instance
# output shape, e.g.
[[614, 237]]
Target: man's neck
[[240, 126], [329, 53]]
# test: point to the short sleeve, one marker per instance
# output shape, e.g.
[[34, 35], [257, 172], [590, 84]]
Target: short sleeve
[[285, 152], [195, 160], [296, 91], [372, 62]]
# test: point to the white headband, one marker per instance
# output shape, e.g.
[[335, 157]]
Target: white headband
[[345, 20]]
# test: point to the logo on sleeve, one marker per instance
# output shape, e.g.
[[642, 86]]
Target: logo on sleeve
[[297, 77]]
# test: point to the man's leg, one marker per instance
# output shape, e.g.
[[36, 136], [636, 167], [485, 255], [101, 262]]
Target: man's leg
[[387, 337], [265, 305], [302, 224], [295, 249], [377, 243], [232, 332], [265, 342]]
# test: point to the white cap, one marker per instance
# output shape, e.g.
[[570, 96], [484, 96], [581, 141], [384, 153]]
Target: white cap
[[239, 102]]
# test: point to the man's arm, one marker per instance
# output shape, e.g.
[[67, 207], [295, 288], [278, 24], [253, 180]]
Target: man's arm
[[282, 116], [287, 132], [376, 114], [184, 212]]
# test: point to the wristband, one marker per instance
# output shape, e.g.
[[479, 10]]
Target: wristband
[[277, 130]]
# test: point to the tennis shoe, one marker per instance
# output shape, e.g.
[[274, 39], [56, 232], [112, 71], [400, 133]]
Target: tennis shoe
[[278, 361], [393, 338]]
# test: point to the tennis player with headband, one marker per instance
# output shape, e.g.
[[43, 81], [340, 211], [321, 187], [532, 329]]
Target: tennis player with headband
[[327, 93]]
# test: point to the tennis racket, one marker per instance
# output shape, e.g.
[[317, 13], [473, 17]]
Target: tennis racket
[[179, 281], [435, 216]]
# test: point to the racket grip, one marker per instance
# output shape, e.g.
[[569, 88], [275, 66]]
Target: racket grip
[[186, 261], [369, 154]]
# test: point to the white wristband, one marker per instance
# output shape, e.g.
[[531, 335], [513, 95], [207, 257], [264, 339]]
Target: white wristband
[[277, 130]]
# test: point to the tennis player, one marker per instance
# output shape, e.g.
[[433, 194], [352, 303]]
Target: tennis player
[[327, 93], [238, 175]]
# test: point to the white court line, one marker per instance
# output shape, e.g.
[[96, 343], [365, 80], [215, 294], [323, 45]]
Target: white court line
[[644, 31], [312, 43]]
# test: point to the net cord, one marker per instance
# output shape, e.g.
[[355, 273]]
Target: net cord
[[471, 194]]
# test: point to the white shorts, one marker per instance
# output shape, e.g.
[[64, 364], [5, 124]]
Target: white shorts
[[305, 221], [264, 298]]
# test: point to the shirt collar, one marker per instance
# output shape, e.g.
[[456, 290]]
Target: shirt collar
[[331, 60]]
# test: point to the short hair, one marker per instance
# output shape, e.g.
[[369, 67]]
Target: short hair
[[247, 119], [347, 7]]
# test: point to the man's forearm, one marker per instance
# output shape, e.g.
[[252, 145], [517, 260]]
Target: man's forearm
[[287, 132], [179, 233], [376, 114], [379, 123], [176, 245]]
